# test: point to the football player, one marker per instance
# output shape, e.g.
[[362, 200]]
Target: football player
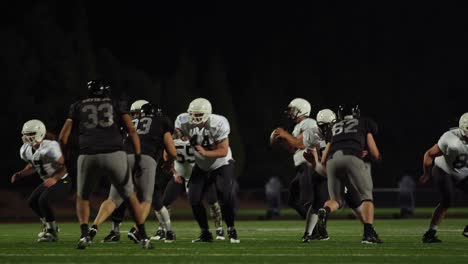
[[99, 119], [447, 163], [300, 196], [119, 213], [183, 166], [343, 159], [209, 135], [155, 136], [45, 158]]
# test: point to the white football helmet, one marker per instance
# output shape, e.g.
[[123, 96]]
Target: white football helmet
[[326, 116], [33, 132], [463, 124], [199, 111], [136, 106], [298, 107]]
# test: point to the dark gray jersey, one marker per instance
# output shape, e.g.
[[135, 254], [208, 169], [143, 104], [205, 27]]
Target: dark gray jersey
[[99, 121]]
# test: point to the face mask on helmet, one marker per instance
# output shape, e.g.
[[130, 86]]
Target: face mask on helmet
[[325, 120], [199, 111], [347, 111], [463, 126], [297, 108], [98, 88], [136, 107], [33, 132], [150, 110]]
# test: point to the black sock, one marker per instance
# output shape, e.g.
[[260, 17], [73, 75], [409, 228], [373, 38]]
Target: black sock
[[327, 209], [142, 231], [84, 230], [368, 229], [95, 227]]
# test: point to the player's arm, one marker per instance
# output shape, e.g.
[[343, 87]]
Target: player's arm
[[60, 171], [132, 133], [428, 160], [325, 154], [65, 133], [26, 171], [220, 150], [372, 148], [170, 152], [295, 142]]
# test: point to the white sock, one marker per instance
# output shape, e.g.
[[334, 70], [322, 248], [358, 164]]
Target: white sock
[[116, 227], [311, 221], [164, 218], [43, 220], [51, 225], [433, 227]]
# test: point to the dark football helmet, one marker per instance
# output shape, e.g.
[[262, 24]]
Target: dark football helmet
[[150, 109], [348, 110], [98, 88]]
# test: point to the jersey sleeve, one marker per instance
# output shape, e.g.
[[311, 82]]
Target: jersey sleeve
[[54, 150], [180, 123], [222, 129], [443, 142], [372, 126], [309, 123], [311, 137], [73, 112], [121, 107], [23, 152], [168, 124]]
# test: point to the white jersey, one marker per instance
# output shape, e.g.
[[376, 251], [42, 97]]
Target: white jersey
[[44, 159], [215, 130], [185, 158], [313, 138], [455, 158], [302, 126]]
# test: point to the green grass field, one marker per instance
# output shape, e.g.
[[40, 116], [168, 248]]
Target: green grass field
[[261, 242]]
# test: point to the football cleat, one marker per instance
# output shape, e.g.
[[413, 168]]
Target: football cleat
[[465, 231], [43, 232], [371, 239], [306, 238], [146, 244], [160, 235], [220, 234], [170, 237], [232, 234], [205, 236], [322, 225], [84, 242], [48, 237], [430, 237], [112, 237], [133, 235], [92, 232]]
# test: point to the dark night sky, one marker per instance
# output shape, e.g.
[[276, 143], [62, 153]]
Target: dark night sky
[[404, 65]]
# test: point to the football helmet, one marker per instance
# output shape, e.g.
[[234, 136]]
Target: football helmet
[[463, 125], [98, 88], [298, 107], [199, 111], [348, 111], [150, 110], [136, 106], [33, 132]]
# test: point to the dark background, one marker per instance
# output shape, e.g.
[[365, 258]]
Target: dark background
[[405, 66]]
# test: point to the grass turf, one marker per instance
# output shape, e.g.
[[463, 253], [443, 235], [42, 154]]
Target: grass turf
[[261, 242]]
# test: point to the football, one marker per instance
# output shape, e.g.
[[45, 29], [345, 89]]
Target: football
[[279, 143]]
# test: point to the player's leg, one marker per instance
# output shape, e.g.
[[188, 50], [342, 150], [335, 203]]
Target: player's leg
[[120, 177], [107, 207], [87, 177], [215, 210], [463, 186], [307, 197], [443, 183], [171, 193], [336, 172], [34, 205], [360, 179], [196, 188], [224, 182], [117, 218], [57, 192], [320, 197], [294, 196]]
